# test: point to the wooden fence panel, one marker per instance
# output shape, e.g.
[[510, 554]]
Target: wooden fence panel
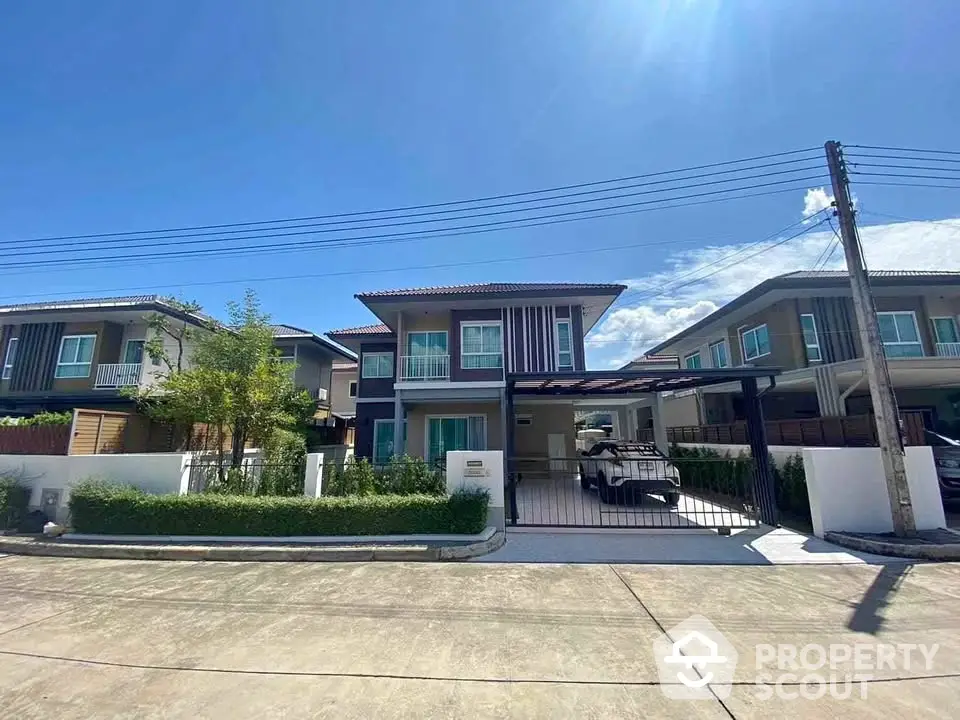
[[34, 440]]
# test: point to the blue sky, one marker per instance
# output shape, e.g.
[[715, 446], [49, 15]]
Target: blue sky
[[126, 116]]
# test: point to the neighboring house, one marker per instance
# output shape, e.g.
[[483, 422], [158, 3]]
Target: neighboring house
[[433, 372], [804, 323], [343, 399], [315, 357], [80, 353]]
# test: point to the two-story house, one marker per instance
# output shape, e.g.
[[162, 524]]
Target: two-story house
[[432, 372], [80, 353], [804, 323]]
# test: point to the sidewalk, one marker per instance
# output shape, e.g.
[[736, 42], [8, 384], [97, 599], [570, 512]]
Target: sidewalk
[[760, 546]]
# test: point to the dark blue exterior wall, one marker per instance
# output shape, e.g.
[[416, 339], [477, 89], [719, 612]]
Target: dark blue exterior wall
[[458, 373], [366, 414], [377, 387]]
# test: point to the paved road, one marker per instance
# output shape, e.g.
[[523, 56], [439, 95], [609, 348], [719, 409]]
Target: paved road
[[109, 639]]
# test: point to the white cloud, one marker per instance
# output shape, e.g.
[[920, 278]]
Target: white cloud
[[816, 200], [660, 304]]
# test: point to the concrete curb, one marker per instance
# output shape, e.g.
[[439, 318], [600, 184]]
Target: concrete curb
[[16, 545], [929, 551]]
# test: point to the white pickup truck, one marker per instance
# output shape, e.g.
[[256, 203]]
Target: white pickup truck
[[622, 470]]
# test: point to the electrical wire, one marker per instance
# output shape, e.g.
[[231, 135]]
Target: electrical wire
[[906, 150], [487, 198], [150, 242], [903, 157], [905, 167], [907, 176], [914, 185], [410, 235]]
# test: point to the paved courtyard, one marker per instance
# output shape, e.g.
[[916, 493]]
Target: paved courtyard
[[111, 639]]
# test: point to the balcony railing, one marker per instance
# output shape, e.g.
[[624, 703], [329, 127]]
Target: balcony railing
[[117, 375], [948, 350], [424, 367]]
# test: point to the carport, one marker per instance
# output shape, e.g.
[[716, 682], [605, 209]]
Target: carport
[[551, 496]]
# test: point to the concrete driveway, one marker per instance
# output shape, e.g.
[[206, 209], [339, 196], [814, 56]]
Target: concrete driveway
[[110, 639]]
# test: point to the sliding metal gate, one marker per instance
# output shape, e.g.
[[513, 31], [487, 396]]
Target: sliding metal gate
[[584, 492]]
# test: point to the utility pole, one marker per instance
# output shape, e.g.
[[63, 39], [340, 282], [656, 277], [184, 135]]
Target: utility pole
[[878, 374]]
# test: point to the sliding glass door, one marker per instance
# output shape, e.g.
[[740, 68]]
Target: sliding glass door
[[455, 433]]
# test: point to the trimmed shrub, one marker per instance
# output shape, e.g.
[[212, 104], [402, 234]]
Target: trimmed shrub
[[14, 499], [402, 476], [791, 486], [284, 463], [99, 508], [709, 471], [356, 477], [48, 418]]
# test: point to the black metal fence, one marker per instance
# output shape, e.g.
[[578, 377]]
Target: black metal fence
[[638, 493], [251, 477]]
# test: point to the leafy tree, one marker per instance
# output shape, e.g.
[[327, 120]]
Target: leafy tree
[[179, 330], [236, 381]]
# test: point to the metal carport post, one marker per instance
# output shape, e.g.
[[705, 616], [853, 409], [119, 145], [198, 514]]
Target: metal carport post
[[764, 492]]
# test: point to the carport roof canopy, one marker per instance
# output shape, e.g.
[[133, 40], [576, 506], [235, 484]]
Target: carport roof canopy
[[623, 382]]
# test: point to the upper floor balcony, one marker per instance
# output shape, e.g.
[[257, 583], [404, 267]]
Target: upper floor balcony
[[424, 368], [117, 375], [948, 349]]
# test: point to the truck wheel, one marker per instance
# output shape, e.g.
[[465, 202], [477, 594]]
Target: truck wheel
[[584, 480], [605, 492]]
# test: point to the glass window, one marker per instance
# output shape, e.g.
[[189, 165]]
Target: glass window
[[76, 356], [756, 342], [692, 361], [945, 328], [718, 354], [481, 345], [899, 334], [10, 357], [378, 365], [564, 346], [133, 352], [352, 389], [455, 433], [810, 338], [383, 440], [427, 343]]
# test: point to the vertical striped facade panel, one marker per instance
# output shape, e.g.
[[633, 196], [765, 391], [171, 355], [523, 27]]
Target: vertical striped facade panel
[[36, 360], [530, 337], [835, 327]]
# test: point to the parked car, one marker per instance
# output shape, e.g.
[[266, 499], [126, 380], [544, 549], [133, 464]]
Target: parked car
[[946, 455], [623, 470]]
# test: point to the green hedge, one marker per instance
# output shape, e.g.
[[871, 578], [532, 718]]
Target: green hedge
[[401, 476], [100, 508], [14, 498]]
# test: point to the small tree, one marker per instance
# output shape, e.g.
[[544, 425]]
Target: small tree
[[181, 331], [236, 381]]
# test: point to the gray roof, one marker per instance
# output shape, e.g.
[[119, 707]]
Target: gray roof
[[133, 302], [812, 280], [281, 332], [378, 329], [498, 289]]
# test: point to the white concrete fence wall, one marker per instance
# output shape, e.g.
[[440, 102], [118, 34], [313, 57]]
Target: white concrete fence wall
[[847, 490]]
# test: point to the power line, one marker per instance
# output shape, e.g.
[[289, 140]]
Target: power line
[[907, 150], [505, 196], [907, 176], [904, 157], [149, 242], [915, 185], [411, 235], [110, 243], [905, 167]]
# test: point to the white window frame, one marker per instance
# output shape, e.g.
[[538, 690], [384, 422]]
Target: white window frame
[[428, 418], [127, 342], [816, 336], [694, 354], [379, 356], [556, 337], [480, 324], [60, 363], [936, 333], [352, 387], [726, 353], [446, 341], [743, 331], [7, 360], [916, 326]]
